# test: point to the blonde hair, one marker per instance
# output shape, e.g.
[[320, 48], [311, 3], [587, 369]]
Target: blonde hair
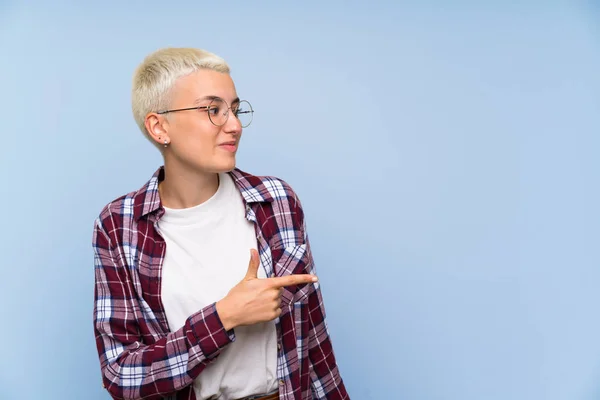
[[155, 76]]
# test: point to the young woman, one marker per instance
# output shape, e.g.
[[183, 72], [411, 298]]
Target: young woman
[[205, 285]]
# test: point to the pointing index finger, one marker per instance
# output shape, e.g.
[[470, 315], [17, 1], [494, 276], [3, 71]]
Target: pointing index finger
[[292, 280]]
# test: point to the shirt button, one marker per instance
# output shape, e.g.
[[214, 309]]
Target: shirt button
[[281, 382], [278, 346]]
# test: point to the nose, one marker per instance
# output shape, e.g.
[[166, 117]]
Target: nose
[[232, 125]]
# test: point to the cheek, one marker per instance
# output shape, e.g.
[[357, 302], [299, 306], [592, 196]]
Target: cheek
[[198, 135]]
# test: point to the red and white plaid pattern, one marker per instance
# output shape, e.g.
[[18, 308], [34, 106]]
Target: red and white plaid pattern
[[140, 358]]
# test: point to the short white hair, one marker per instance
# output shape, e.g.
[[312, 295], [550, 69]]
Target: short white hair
[[156, 75]]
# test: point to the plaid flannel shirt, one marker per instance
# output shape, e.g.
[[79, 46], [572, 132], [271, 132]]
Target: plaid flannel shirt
[[142, 358]]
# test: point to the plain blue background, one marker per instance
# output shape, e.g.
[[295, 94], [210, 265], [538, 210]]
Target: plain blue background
[[447, 156]]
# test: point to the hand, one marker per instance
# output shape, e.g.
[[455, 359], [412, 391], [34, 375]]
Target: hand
[[256, 300]]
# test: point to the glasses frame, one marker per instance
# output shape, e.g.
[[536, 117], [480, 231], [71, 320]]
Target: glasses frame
[[206, 108]]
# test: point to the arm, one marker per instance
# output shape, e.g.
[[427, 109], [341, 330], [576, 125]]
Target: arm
[[326, 380], [131, 369]]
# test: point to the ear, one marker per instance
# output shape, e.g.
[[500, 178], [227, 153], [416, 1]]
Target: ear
[[157, 126]]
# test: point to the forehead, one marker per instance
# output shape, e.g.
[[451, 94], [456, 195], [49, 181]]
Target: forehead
[[204, 83]]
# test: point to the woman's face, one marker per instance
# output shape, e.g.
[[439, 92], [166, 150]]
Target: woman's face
[[194, 141]]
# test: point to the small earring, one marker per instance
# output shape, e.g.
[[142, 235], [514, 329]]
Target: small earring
[[166, 143]]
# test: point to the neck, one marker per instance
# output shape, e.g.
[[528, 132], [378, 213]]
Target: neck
[[185, 188]]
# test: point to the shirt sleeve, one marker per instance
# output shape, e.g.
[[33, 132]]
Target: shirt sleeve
[[134, 370], [326, 381]]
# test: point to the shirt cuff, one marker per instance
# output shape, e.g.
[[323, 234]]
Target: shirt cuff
[[209, 332]]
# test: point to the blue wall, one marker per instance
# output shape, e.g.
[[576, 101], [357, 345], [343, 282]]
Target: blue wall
[[447, 157]]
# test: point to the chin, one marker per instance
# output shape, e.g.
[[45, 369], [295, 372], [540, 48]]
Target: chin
[[225, 166]]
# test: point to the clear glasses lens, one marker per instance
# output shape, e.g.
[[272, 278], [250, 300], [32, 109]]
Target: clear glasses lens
[[244, 113], [218, 112]]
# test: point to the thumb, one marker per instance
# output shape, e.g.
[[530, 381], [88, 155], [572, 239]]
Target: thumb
[[253, 265]]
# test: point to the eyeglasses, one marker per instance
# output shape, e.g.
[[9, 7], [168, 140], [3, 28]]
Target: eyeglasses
[[218, 111]]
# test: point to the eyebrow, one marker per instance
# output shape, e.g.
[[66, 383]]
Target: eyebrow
[[201, 99]]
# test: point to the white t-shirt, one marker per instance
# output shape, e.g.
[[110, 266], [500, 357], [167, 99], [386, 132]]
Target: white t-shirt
[[207, 253]]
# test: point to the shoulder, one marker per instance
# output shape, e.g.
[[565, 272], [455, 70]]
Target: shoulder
[[265, 188], [115, 214], [281, 216], [123, 211]]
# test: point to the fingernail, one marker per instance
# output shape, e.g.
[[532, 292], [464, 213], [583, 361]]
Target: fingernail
[[315, 279]]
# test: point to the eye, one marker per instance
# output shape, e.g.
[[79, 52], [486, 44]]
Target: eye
[[214, 110]]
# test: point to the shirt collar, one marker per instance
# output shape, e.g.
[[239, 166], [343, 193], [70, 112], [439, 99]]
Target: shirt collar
[[147, 199]]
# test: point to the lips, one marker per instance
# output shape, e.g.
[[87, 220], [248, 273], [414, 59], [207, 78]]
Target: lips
[[229, 146]]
